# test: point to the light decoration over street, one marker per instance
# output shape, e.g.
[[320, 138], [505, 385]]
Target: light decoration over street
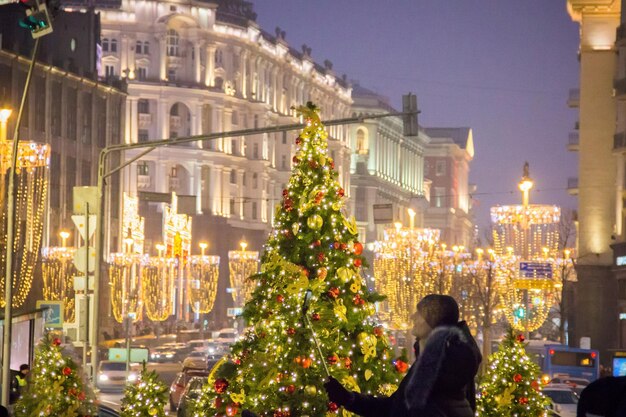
[[58, 273], [526, 239], [405, 269], [31, 185], [157, 277], [202, 288], [242, 264]]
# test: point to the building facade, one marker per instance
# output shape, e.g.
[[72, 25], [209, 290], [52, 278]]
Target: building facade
[[202, 67], [386, 170], [447, 164], [599, 211]]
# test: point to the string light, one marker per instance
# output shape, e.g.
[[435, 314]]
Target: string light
[[158, 275], [242, 264], [203, 283], [58, 273]]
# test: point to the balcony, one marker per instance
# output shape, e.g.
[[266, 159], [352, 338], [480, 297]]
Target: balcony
[[573, 142], [619, 87], [143, 181], [573, 97], [572, 185], [145, 120], [619, 142]]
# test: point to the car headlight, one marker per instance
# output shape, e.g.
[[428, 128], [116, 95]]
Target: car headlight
[[132, 377], [211, 350], [169, 355], [103, 377]]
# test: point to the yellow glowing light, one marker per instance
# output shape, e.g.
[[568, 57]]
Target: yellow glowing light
[[5, 114], [242, 264], [64, 235], [58, 271], [526, 185], [202, 287]]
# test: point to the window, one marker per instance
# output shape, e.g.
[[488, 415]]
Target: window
[[142, 73], [171, 74], [243, 179], [255, 151], [105, 45], [139, 47], [219, 57], [113, 45], [437, 201], [361, 141], [143, 106], [256, 121], [143, 135], [254, 210], [146, 48], [172, 42], [283, 162], [234, 118], [284, 138], [109, 71], [143, 169], [255, 180], [233, 176], [232, 206], [440, 168], [174, 172]]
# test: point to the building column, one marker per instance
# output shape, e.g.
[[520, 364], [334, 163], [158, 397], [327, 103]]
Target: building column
[[163, 119], [196, 62], [134, 120], [209, 68], [225, 197], [274, 92], [618, 195], [243, 69], [162, 58]]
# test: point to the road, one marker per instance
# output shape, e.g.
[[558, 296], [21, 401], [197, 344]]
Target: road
[[166, 371]]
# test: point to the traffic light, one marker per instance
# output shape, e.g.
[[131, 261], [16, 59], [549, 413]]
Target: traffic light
[[37, 20], [409, 119], [520, 313]]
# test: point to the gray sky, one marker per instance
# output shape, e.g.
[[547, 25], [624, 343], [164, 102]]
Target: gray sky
[[501, 67]]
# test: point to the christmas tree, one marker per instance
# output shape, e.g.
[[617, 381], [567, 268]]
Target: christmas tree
[[147, 397], [57, 385], [511, 386], [275, 369]]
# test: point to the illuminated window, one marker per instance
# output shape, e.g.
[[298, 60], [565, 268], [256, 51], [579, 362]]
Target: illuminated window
[[172, 40], [361, 141]]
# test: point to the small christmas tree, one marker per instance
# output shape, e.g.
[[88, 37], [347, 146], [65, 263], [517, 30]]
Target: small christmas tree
[[511, 386], [275, 370], [57, 385], [147, 397]]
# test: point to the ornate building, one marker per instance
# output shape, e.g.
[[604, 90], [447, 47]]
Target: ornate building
[[202, 67], [447, 164], [387, 169]]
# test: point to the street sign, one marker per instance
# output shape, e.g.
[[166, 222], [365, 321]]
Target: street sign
[[234, 312], [84, 195], [81, 263], [535, 270], [383, 213], [136, 354], [79, 283], [53, 313], [81, 225]]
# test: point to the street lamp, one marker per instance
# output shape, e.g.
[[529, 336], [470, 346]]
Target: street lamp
[[203, 246], [64, 235], [4, 118], [160, 248]]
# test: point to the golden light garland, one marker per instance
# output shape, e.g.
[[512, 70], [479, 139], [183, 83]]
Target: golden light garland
[[158, 275], [202, 287], [132, 223], [124, 283], [176, 231], [31, 184], [242, 264], [58, 273]]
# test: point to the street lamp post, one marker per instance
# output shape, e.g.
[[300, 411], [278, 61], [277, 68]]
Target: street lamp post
[[64, 235]]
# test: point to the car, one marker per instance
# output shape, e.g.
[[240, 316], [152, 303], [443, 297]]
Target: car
[[113, 376], [576, 384], [195, 360], [564, 400], [180, 382], [192, 392], [163, 354], [227, 335]]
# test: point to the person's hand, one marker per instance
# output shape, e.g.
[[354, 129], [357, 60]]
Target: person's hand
[[337, 393], [248, 413]]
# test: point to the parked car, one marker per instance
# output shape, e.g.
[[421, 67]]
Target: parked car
[[113, 375], [192, 391], [576, 384], [180, 382], [564, 400], [195, 360]]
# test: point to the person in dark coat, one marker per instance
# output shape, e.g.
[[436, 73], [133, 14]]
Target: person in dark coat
[[603, 397], [441, 381]]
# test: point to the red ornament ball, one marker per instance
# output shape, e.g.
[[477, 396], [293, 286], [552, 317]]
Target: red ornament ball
[[332, 359], [332, 164], [401, 366], [333, 292], [67, 371], [280, 298], [523, 400], [285, 192], [358, 248], [347, 362], [291, 331], [295, 160], [343, 246], [298, 140], [56, 341], [517, 378], [291, 389], [320, 257], [315, 316], [341, 192], [332, 407], [535, 385], [520, 338], [81, 396], [317, 243], [305, 272], [232, 410], [378, 331], [336, 245], [237, 361], [357, 262], [220, 385], [313, 164]]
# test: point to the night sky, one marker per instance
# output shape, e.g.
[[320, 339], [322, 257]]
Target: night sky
[[502, 67]]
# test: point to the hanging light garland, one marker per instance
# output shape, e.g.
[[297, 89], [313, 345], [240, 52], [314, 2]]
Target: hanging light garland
[[203, 283], [158, 275], [58, 273], [242, 264], [124, 282], [31, 186]]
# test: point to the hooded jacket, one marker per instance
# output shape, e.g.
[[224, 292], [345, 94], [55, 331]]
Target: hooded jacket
[[440, 383]]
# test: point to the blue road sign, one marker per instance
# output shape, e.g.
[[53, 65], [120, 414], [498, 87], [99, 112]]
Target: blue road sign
[[535, 269]]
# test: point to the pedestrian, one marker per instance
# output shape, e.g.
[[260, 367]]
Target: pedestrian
[[603, 397], [440, 383], [18, 383], [4, 412]]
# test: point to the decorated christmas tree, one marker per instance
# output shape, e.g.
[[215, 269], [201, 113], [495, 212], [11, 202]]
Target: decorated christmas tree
[[147, 397], [57, 385], [275, 369], [511, 386]]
